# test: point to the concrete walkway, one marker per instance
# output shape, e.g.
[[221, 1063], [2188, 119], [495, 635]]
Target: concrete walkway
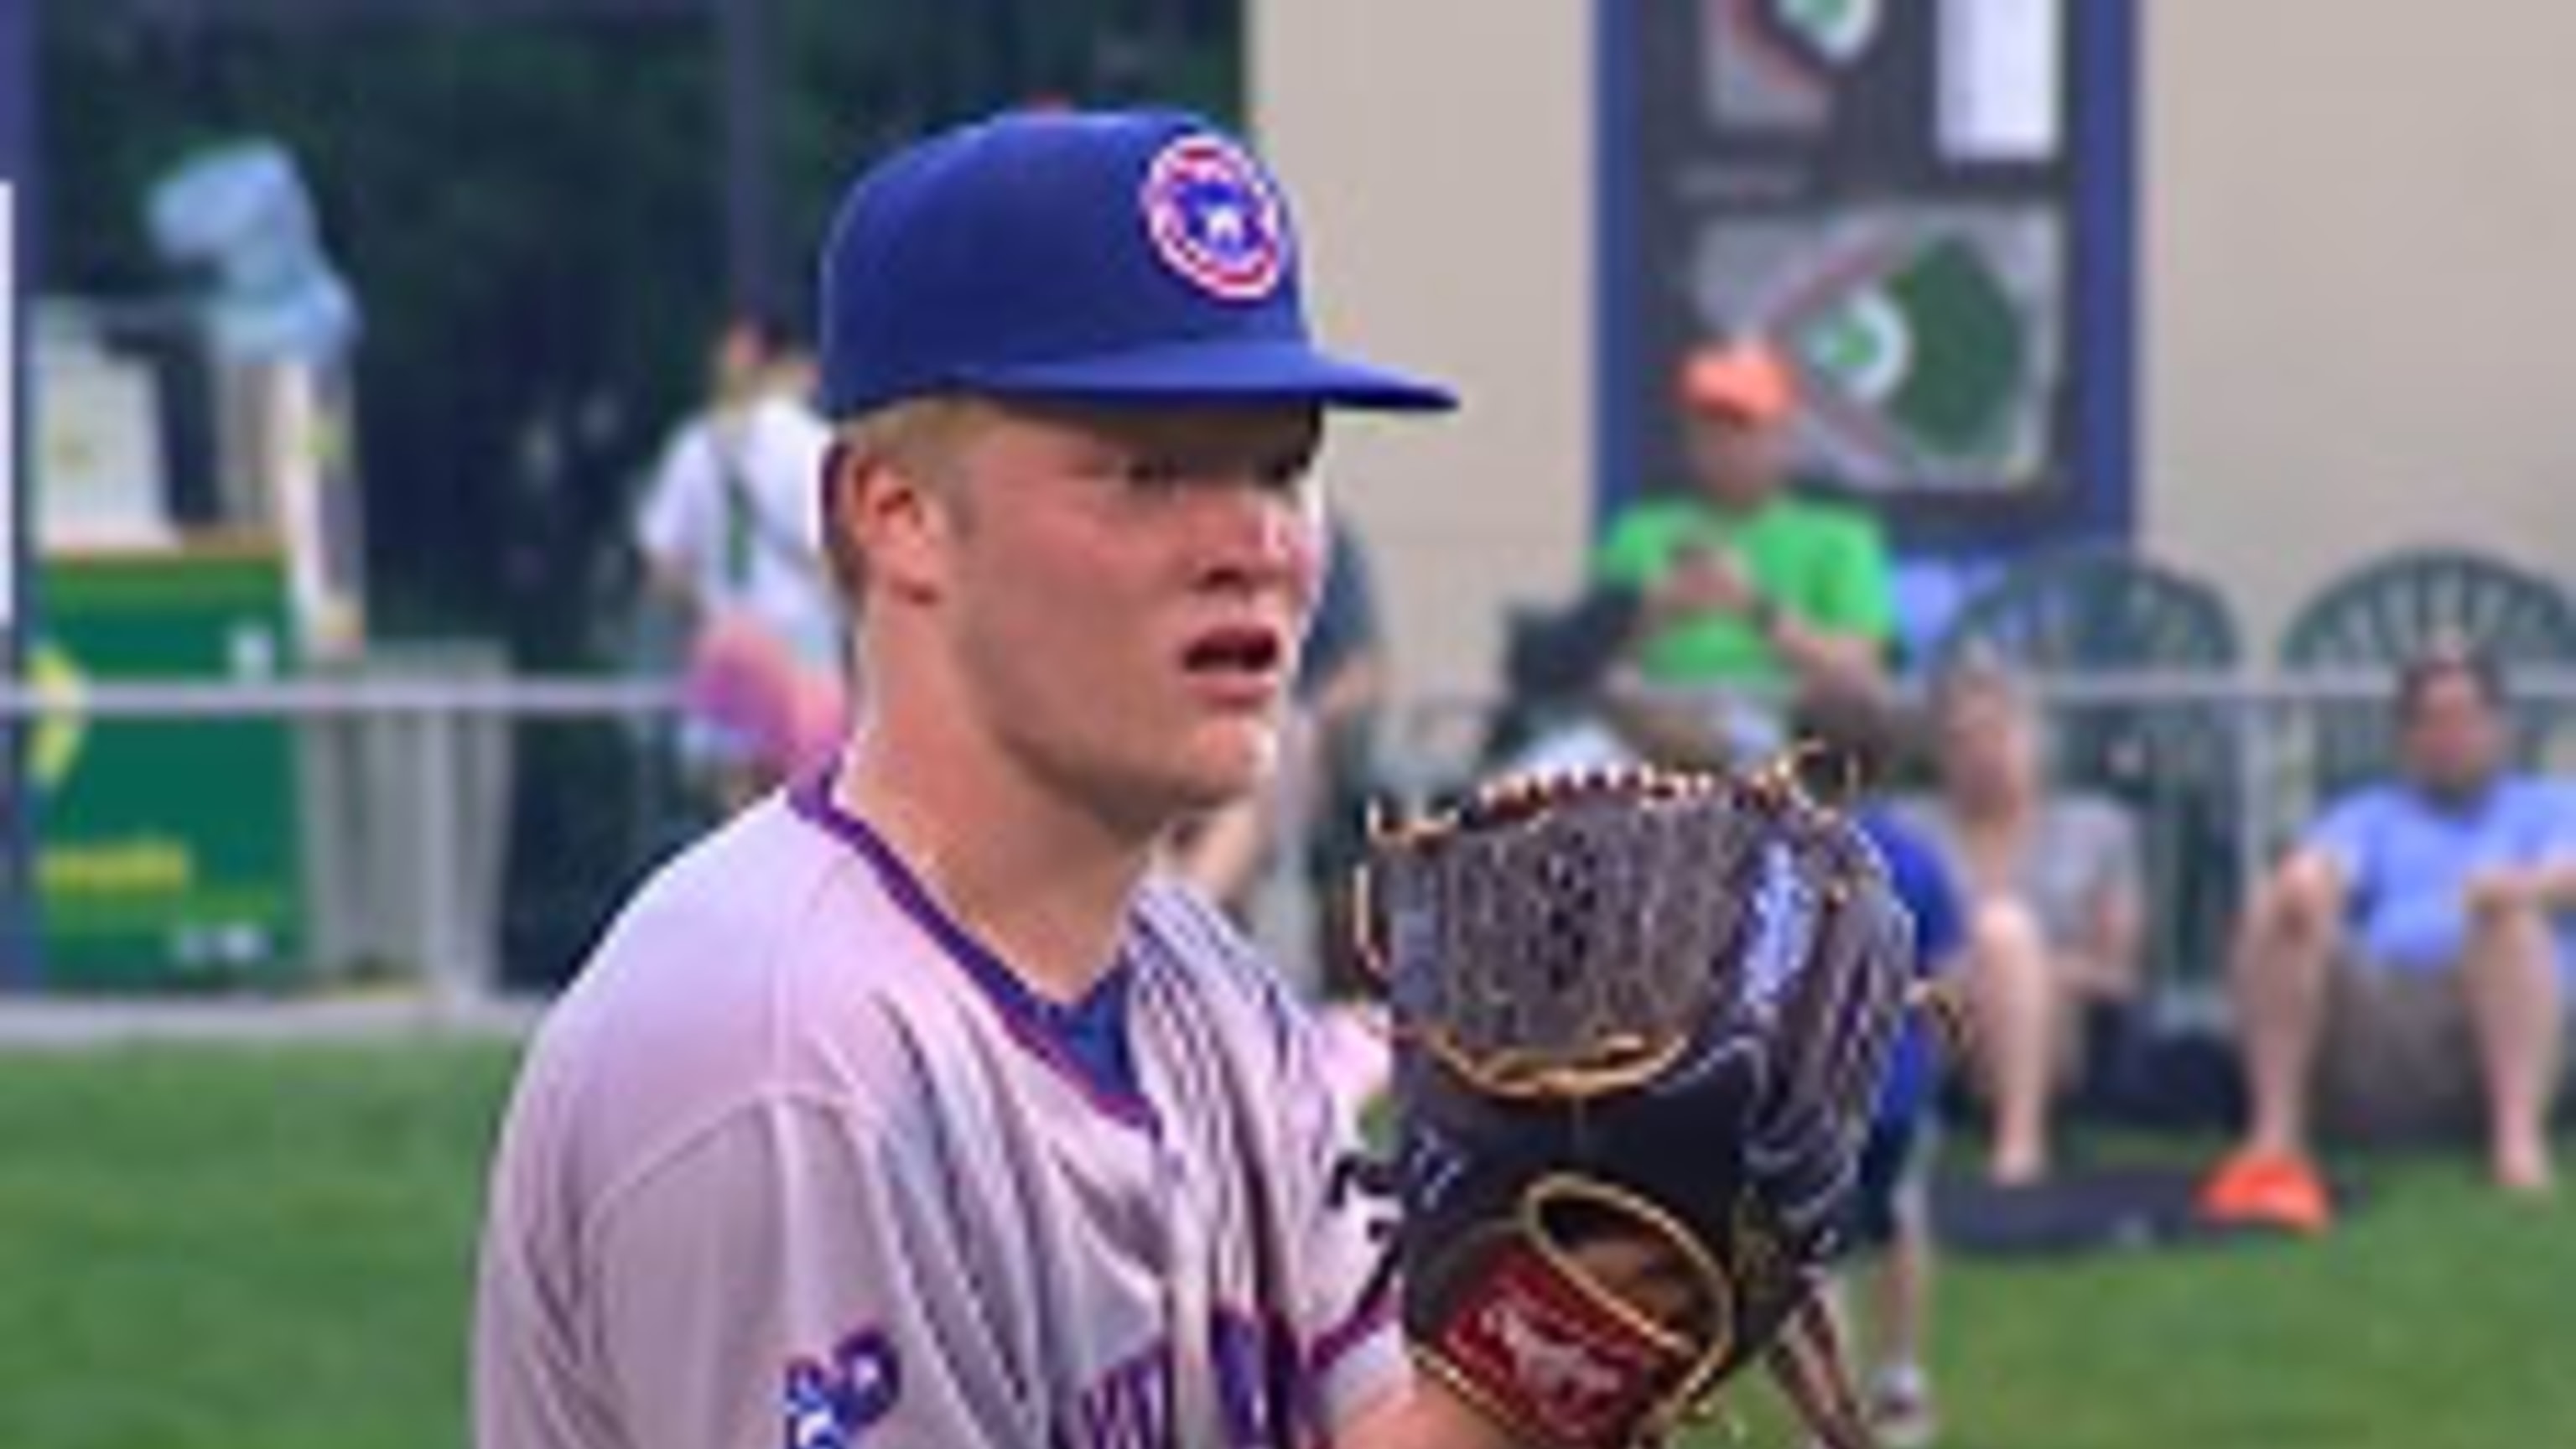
[[36, 1022]]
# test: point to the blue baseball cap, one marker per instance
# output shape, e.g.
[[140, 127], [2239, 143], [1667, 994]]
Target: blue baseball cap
[[1093, 256]]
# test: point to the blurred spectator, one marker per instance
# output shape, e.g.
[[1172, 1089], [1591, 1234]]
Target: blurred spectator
[[1892, 1225], [2402, 964], [1562, 680], [2054, 886], [728, 536], [1747, 590], [1575, 701]]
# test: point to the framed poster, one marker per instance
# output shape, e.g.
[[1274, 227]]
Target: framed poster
[[1927, 207]]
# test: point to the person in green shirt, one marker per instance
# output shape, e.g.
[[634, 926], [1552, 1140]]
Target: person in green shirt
[[1745, 588]]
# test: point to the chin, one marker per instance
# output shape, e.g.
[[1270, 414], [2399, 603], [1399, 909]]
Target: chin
[[1218, 771]]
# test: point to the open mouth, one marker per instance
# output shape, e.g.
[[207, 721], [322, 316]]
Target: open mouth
[[1246, 652]]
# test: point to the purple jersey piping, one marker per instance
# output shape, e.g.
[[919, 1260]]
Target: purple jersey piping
[[993, 978], [1333, 1343]]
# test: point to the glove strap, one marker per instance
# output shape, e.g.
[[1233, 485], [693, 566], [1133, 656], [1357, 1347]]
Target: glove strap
[[1553, 1354]]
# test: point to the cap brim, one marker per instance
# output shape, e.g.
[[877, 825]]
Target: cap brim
[[1234, 370]]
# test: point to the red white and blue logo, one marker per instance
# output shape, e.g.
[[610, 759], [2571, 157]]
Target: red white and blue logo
[[1215, 218], [830, 1404]]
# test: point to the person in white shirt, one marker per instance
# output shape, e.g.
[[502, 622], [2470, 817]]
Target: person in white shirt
[[728, 536]]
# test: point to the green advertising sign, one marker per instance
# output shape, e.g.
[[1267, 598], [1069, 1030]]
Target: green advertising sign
[[166, 849]]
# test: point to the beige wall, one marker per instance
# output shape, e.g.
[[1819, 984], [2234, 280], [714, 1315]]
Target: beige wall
[[1439, 155], [2360, 233], [2359, 241]]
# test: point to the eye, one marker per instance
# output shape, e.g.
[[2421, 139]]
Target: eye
[[1287, 472], [1155, 473]]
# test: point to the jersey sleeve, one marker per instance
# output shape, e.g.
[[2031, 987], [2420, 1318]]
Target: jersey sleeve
[[789, 1280]]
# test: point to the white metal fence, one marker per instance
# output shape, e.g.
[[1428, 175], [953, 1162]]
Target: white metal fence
[[441, 731], [407, 782]]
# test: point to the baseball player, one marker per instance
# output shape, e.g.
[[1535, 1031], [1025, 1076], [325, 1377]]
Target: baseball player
[[909, 1108]]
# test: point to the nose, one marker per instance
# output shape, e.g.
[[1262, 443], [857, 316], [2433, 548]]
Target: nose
[[1260, 539]]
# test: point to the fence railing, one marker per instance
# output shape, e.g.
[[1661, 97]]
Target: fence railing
[[433, 723], [2219, 769], [1431, 742]]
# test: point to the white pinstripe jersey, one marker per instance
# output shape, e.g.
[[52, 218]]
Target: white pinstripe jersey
[[796, 1162]]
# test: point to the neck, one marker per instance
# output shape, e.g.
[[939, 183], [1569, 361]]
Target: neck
[[1044, 883], [2457, 797], [1734, 507], [1993, 807]]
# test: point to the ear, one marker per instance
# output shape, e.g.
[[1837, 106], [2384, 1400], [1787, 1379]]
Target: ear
[[886, 526]]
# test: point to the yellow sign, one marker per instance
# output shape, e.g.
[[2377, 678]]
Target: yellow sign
[[59, 682]]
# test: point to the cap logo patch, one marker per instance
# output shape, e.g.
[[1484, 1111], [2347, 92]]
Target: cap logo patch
[[1215, 219]]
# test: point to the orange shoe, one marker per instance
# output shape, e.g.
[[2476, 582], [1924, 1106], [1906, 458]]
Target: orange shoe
[[2267, 1190]]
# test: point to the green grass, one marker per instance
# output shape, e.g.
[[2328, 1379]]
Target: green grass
[[2439, 1315], [272, 1250], [248, 1249]]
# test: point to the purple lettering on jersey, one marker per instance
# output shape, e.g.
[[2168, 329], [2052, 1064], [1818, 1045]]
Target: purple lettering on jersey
[[1261, 1387], [1130, 1406], [829, 1404], [1374, 1315]]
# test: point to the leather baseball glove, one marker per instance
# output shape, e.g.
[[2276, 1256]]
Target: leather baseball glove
[[1640, 1018]]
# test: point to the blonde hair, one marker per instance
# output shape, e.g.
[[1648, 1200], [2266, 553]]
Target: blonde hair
[[914, 433], [918, 437]]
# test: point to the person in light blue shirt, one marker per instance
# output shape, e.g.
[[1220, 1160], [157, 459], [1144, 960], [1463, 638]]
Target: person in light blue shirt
[[2408, 859], [2406, 969]]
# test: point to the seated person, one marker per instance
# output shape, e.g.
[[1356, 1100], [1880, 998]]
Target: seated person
[[2054, 886], [1745, 588], [2403, 963]]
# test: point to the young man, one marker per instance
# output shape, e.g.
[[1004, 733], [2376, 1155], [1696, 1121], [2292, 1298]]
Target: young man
[[2406, 966], [908, 1109]]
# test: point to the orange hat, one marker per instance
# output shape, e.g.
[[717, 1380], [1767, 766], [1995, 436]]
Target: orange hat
[[1746, 380]]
